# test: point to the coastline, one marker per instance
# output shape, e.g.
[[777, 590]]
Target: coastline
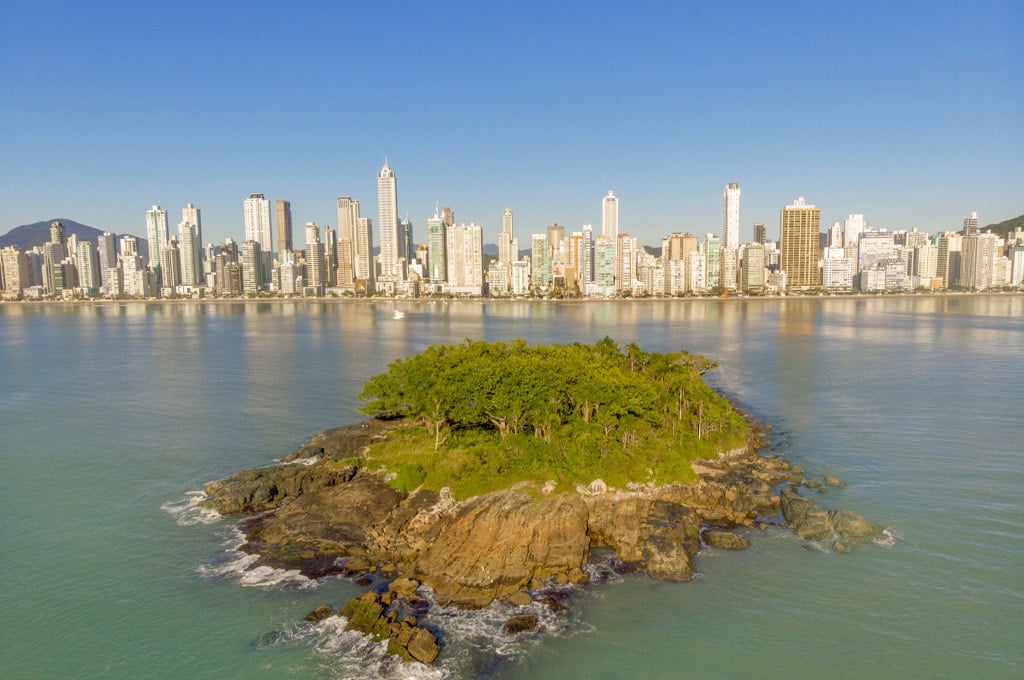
[[324, 300]]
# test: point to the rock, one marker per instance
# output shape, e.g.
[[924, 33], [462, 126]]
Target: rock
[[841, 547], [726, 540], [496, 544], [404, 586], [423, 647], [805, 517], [266, 488], [319, 614], [853, 528], [521, 623], [834, 482], [814, 483], [520, 599], [369, 615]]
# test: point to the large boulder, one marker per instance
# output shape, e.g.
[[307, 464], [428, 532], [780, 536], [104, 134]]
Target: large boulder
[[497, 544], [804, 516], [853, 528]]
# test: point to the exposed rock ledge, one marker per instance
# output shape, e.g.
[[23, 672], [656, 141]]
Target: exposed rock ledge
[[322, 516]]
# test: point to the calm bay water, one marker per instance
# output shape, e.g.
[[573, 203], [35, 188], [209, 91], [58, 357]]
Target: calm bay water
[[111, 414]]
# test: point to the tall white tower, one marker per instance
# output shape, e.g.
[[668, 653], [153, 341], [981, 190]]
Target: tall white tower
[[257, 221], [505, 254], [731, 216], [156, 234], [387, 215], [610, 216]]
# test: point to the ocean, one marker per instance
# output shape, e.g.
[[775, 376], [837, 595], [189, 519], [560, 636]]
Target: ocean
[[113, 416]]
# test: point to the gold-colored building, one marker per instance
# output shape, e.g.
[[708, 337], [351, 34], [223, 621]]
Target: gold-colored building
[[799, 245]]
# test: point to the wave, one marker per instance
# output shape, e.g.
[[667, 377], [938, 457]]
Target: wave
[[188, 511], [243, 566], [891, 536]]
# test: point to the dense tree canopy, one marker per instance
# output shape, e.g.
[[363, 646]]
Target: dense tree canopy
[[573, 407]]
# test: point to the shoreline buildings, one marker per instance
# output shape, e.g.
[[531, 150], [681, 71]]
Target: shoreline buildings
[[561, 261]]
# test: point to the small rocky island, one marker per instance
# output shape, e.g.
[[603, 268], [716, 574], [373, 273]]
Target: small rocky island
[[489, 470]]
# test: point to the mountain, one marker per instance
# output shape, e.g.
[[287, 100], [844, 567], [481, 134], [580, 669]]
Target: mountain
[[1006, 226], [28, 236]]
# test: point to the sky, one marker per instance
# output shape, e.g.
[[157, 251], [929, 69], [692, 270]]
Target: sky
[[910, 113]]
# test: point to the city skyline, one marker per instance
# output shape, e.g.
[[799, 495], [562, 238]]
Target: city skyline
[[890, 122]]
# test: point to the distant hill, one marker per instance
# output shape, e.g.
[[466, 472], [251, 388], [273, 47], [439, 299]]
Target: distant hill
[[1005, 227], [28, 236]]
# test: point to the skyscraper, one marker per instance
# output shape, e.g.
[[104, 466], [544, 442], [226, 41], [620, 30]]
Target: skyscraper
[[610, 217], [387, 217], [731, 216], [760, 233], [284, 225], [156, 234], [799, 244], [192, 274], [437, 248], [314, 258], [465, 259], [363, 255], [971, 224], [257, 221], [505, 254]]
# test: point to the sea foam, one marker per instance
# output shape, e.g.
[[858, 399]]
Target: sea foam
[[188, 511]]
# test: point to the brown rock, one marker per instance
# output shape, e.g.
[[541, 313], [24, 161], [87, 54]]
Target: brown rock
[[423, 647], [404, 586], [726, 540], [520, 599], [521, 623], [319, 614], [497, 544]]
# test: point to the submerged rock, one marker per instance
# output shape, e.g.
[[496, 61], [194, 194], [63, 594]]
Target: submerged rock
[[521, 623], [726, 540]]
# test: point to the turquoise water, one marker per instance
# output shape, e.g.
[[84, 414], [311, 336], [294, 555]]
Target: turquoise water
[[111, 414]]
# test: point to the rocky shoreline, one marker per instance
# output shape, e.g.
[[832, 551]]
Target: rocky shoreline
[[320, 513]]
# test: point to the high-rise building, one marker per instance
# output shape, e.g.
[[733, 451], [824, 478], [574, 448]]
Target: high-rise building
[[314, 258], [387, 222], [970, 224], [348, 213], [362, 256], [610, 216], [192, 272], [625, 261], [88, 262], [760, 233], [852, 230], [540, 257], [107, 247], [752, 278], [170, 265], [252, 271], [947, 266], [465, 259], [156, 234], [256, 211], [505, 254], [17, 273], [437, 248], [800, 226], [976, 261], [712, 260], [731, 216], [408, 246], [284, 225]]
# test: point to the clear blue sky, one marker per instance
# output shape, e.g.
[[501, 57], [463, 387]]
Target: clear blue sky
[[911, 113]]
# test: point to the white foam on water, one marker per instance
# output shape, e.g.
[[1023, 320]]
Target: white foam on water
[[353, 655], [242, 566], [891, 536], [299, 461], [188, 511]]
